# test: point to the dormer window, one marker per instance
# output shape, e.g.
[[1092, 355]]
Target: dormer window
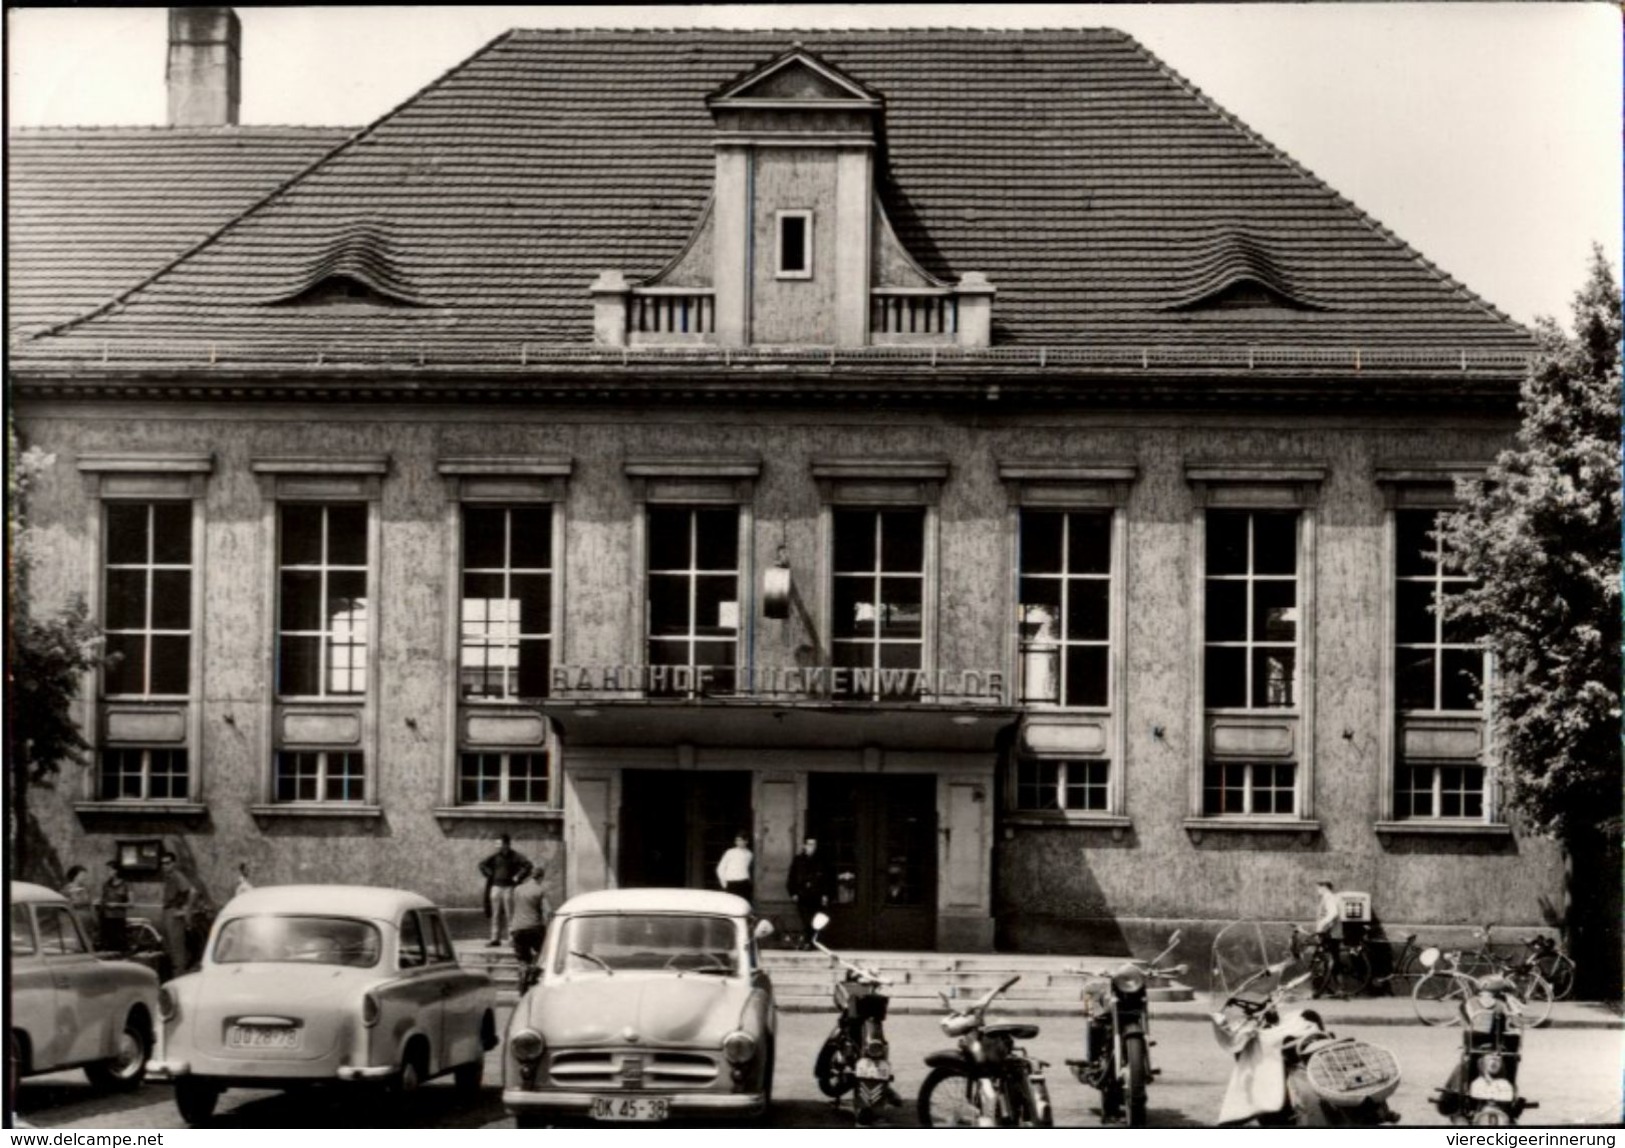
[[795, 245]]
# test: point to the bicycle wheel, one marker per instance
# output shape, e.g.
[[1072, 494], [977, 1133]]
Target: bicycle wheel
[[949, 1099], [1558, 969], [1407, 974], [1351, 972], [1437, 999], [1322, 974], [1536, 992]]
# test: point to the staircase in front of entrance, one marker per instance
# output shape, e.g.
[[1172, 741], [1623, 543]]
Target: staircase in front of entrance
[[802, 981]]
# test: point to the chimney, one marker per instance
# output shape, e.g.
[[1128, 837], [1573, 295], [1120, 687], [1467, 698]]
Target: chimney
[[205, 67]]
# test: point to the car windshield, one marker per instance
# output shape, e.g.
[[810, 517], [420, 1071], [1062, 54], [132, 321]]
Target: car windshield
[[632, 941], [311, 940]]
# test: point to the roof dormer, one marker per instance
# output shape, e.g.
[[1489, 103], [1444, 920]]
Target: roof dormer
[[794, 248]]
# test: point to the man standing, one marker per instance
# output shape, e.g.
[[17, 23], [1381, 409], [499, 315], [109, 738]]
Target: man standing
[[503, 870], [115, 909], [809, 886], [178, 898], [531, 912], [734, 870]]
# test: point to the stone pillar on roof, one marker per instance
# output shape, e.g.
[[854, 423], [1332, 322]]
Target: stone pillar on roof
[[204, 72]]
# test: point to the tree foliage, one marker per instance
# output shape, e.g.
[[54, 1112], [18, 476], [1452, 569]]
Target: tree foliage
[[1542, 535]]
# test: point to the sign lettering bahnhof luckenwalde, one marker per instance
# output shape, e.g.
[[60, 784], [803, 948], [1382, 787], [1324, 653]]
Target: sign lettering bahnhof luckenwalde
[[808, 682]]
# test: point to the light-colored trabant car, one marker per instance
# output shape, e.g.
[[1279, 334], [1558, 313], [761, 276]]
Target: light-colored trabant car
[[308, 983], [651, 1004], [69, 1006]]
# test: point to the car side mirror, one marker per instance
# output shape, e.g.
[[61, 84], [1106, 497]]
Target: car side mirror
[[819, 922], [1429, 957], [763, 930]]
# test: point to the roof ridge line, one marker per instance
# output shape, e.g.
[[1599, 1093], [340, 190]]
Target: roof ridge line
[[275, 193], [797, 31], [1247, 131], [174, 129]]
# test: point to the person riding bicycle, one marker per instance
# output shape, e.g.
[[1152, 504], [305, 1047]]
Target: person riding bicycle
[[1328, 928]]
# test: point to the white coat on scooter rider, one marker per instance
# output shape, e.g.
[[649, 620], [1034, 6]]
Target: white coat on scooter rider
[[1258, 1082]]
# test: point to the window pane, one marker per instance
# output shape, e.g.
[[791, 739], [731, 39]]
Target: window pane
[[665, 652], [854, 607], [172, 533], [347, 535], [1226, 677], [716, 604], [1273, 681], [668, 604], [1089, 549], [1275, 611], [902, 541], [900, 607], [1226, 610], [301, 600], [1037, 785], [854, 540], [172, 599], [533, 594], [1414, 622], [1460, 684], [298, 666], [170, 672], [301, 534], [347, 597], [1226, 542], [792, 243], [1456, 631], [1041, 608], [127, 599], [669, 538], [1041, 542], [1411, 542], [717, 543], [1088, 613], [530, 539], [483, 538], [534, 659], [1275, 543], [126, 533], [126, 671], [1414, 680], [1085, 676], [900, 655]]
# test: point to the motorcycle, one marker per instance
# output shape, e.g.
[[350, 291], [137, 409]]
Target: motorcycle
[[1483, 1087], [1290, 1071], [856, 1058], [987, 1080], [1116, 1036]]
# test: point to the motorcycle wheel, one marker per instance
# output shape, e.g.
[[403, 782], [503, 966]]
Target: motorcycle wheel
[[1138, 1059], [949, 1099], [831, 1070], [1030, 1106]]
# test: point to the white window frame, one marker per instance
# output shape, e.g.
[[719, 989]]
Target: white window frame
[[780, 249], [510, 676], [691, 576], [326, 636], [546, 751]]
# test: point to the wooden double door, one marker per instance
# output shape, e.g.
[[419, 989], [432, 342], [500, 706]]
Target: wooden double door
[[879, 835], [675, 826]]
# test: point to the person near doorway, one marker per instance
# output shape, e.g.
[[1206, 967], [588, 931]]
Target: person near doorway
[[734, 870], [114, 910], [808, 886], [503, 871], [179, 896], [531, 912]]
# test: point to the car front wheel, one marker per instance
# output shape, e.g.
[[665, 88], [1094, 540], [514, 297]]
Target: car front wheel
[[128, 1064]]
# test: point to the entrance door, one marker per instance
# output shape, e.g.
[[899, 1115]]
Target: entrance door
[[880, 836], [675, 827]]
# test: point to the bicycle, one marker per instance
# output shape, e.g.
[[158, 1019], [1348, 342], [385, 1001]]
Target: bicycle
[[1485, 961], [1552, 963], [1343, 970], [1440, 998], [1405, 970]]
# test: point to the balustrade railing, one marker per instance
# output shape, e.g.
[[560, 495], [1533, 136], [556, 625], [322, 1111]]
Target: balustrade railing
[[672, 311], [917, 313]]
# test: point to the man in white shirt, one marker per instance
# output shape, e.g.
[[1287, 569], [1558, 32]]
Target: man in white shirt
[[734, 870]]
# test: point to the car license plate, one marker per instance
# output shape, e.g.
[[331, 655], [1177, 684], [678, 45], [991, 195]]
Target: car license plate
[[644, 1109], [262, 1036]]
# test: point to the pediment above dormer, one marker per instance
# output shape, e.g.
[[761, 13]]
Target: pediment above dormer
[[796, 76]]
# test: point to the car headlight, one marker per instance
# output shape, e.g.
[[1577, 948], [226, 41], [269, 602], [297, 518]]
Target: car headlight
[[1128, 981], [739, 1047], [527, 1045], [1490, 1064], [168, 1006]]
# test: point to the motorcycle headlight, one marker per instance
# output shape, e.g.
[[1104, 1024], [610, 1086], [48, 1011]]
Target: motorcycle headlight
[[527, 1045], [1491, 1065], [875, 1049], [739, 1047], [1128, 981]]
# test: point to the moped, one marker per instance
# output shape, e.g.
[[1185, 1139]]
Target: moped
[[1483, 1087], [1290, 1071], [1117, 1035], [856, 1058], [987, 1080]]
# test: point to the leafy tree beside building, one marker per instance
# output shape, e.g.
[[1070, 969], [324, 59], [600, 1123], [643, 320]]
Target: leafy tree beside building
[[1541, 534]]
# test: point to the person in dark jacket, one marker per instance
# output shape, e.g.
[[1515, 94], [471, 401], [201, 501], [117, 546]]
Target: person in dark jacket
[[503, 871], [808, 886]]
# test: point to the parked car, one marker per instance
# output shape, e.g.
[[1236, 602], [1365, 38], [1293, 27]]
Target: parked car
[[302, 984], [71, 1007], [652, 1004]]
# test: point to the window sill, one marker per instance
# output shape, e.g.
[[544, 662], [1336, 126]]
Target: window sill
[[497, 813], [1245, 823], [1062, 820], [140, 808], [1424, 827], [313, 809]]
